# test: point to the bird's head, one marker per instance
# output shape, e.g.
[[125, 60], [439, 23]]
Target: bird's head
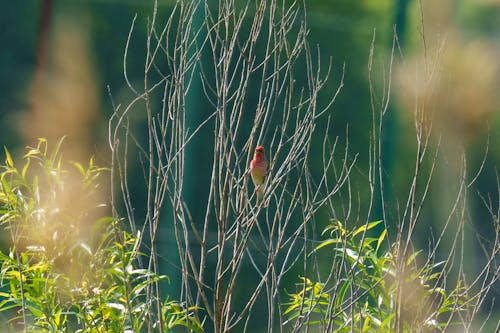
[[259, 153]]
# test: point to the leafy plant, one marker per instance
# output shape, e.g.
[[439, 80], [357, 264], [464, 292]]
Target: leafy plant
[[65, 271], [374, 290], [312, 299]]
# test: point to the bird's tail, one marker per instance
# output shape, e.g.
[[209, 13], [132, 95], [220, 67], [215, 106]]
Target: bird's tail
[[260, 195]]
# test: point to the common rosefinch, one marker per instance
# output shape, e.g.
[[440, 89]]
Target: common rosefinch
[[258, 171]]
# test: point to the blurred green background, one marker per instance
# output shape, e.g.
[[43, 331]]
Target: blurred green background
[[58, 59]]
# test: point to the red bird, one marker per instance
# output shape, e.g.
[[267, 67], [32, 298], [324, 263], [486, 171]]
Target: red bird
[[258, 171]]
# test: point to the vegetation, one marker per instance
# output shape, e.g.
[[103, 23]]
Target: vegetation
[[64, 271], [370, 292]]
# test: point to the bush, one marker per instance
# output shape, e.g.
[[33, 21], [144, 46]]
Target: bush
[[374, 290], [65, 271]]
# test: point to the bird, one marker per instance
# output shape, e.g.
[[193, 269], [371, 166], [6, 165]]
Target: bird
[[258, 172]]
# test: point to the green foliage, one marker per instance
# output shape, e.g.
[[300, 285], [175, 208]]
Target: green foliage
[[66, 269], [311, 299], [373, 290]]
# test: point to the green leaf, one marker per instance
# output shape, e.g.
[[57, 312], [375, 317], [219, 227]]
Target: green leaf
[[335, 226], [387, 320], [366, 325], [366, 227], [291, 308], [8, 158], [342, 291], [411, 258], [79, 167], [327, 242], [25, 168], [55, 152], [381, 239]]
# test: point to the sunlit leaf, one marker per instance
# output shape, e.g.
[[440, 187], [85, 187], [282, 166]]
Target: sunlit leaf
[[8, 158], [328, 242], [381, 239], [366, 227]]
